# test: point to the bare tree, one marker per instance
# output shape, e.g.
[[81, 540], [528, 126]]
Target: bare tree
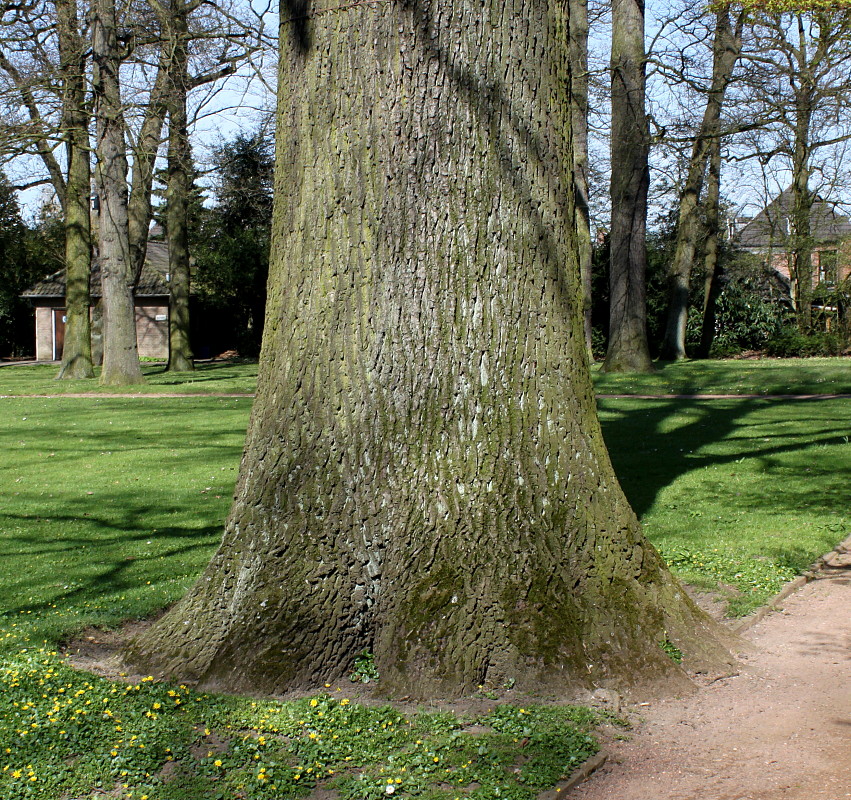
[[628, 350], [727, 43], [43, 61], [798, 68]]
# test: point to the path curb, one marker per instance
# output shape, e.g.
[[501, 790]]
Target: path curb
[[793, 586], [579, 776]]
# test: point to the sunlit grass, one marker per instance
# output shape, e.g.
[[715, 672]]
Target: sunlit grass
[[111, 507], [238, 377], [763, 376]]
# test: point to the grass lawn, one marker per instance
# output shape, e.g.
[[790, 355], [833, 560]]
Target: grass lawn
[[238, 377], [111, 506], [764, 376]]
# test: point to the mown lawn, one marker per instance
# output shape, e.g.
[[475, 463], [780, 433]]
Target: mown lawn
[[734, 376], [209, 377], [111, 506]]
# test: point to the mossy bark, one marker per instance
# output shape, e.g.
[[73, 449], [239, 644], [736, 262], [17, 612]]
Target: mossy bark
[[628, 349], [178, 191], [579, 130], [120, 351], [424, 473]]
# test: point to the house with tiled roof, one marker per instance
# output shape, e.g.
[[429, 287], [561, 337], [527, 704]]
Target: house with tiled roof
[[767, 235], [151, 301]]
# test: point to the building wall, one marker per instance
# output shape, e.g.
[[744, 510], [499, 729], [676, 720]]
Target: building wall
[[44, 333], [780, 261], [152, 331]]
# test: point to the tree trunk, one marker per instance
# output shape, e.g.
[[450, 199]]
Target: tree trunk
[[139, 209], [177, 195], [725, 53], [579, 128], [628, 350], [120, 353], [424, 474], [712, 266], [77, 348]]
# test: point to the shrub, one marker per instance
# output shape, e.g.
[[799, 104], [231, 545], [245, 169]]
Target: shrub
[[789, 342]]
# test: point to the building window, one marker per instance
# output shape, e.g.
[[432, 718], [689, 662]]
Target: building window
[[827, 260]]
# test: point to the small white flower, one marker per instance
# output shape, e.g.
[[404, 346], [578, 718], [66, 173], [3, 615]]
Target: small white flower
[[389, 789]]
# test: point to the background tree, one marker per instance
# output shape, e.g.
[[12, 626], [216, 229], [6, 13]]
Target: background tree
[[120, 353], [799, 89], [24, 254], [628, 349], [424, 473], [43, 62], [232, 245], [727, 42]]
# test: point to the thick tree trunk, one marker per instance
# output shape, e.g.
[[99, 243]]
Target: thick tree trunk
[[579, 128], [628, 350], [120, 353], [725, 53], [77, 348], [424, 473], [712, 266], [177, 195]]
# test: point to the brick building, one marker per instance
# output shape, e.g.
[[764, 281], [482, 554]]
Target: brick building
[[151, 299]]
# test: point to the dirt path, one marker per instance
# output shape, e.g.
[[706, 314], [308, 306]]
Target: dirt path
[[780, 730]]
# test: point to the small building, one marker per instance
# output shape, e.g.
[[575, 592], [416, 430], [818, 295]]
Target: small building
[[767, 235], [151, 299]]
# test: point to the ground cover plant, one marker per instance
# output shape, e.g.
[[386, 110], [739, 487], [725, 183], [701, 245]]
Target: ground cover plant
[[111, 506]]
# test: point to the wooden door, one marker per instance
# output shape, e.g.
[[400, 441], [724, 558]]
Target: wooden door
[[58, 332]]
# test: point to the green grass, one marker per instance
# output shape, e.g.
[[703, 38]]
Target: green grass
[[238, 377], [764, 376], [745, 493], [111, 506]]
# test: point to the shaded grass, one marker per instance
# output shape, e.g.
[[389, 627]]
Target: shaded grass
[[727, 376], [745, 492], [208, 378], [111, 507]]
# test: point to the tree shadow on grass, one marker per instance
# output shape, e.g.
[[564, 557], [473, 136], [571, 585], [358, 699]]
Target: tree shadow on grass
[[99, 565], [755, 454]]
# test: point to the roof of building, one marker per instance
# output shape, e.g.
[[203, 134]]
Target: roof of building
[[770, 228], [152, 281]]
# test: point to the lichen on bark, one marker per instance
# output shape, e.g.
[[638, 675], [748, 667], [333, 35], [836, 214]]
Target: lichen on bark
[[424, 474]]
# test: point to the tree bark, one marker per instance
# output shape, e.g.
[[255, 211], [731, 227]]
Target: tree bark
[[628, 350], [120, 352], [77, 348], [712, 266], [139, 209], [178, 192], [424, 473], [725, 53], [579, 128]]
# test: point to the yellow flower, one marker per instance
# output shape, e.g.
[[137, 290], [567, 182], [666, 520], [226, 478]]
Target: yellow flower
[[217, 762], [345, 701], [314, 702]]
